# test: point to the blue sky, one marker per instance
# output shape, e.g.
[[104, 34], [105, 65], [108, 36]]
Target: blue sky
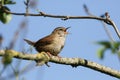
[[80, 43]]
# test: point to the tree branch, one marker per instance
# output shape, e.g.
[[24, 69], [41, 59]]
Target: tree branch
[[74, 62], [64, 17]]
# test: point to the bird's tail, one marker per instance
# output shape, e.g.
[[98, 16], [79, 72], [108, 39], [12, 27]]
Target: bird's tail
[[30, 42]]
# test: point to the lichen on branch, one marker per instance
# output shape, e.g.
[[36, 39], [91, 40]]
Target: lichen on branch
[[74, 62]]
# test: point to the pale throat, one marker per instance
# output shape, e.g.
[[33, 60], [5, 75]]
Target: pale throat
[[60, 38]]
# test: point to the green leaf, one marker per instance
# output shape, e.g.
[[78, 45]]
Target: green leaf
[[7, 58], [116, 45], [113, 46], [100, 52], [5, 17], [106, 44], [9, 2], [4, 2]]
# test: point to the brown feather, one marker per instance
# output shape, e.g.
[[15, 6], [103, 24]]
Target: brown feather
[[30, 42], [44, 41], [52, 43]]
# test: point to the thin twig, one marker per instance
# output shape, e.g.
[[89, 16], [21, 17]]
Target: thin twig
[[112, 41], [104, 24], [108, 32], [27, 6], [115, 27]]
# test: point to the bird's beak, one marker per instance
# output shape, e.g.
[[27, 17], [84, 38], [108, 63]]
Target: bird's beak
[[66, 30]]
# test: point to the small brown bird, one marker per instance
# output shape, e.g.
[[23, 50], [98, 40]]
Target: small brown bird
[[52, 43]]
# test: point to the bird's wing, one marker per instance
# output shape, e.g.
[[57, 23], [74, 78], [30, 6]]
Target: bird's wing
[[44, 41]]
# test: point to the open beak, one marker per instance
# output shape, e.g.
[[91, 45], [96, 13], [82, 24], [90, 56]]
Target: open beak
[[66, 30]]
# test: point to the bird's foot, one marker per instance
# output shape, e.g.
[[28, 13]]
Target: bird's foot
[[58, 56], [48, 53]]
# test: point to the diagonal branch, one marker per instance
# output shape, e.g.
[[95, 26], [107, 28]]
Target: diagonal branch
[[104, 24], [74, 62]]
